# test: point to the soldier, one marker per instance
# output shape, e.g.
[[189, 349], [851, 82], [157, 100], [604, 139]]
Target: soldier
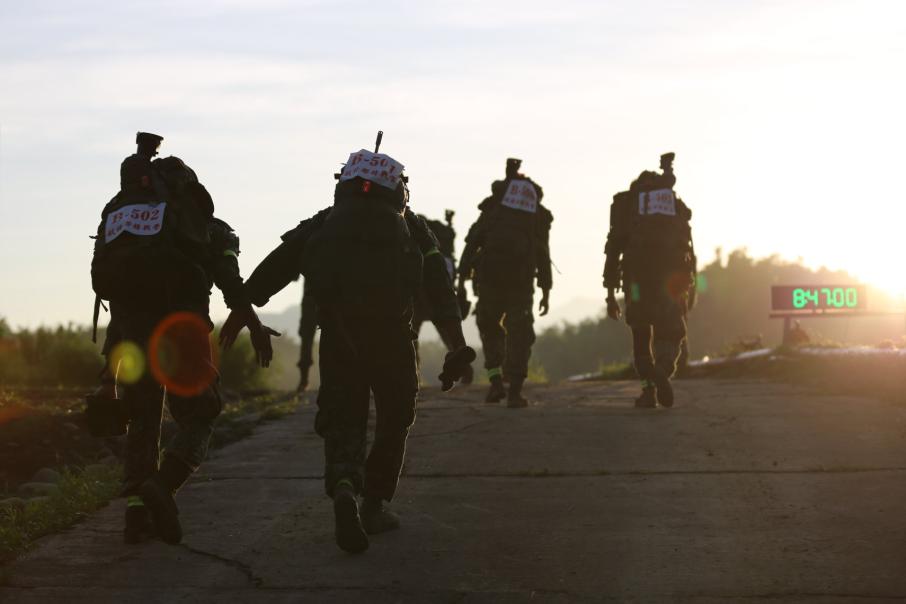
[[506, 250], [365, 259], [649, 254], [308, 325], [446, 238], [158, 252]]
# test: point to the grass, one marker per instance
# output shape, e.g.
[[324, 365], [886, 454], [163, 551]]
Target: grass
[[616, 371], [79, 493]]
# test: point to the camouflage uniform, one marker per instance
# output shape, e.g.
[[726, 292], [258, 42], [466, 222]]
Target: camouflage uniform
[[504, 281], [423, 311], [360, 356], [651, 258], [135, 317]]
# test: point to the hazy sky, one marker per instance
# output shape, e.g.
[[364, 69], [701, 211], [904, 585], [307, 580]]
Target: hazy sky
[[787, 119]]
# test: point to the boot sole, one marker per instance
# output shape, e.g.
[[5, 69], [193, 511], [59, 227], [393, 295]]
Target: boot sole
[[351, 537], [164, 513], [664, 391]]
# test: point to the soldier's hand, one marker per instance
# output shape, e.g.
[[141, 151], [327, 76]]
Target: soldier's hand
[[261, 342], [613, 308], [232, 326], [456, 366], [544, 305]]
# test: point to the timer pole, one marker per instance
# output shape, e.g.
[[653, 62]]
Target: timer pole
[[787, 328]]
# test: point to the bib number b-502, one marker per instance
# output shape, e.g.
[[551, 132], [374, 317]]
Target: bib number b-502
[[143, 219]]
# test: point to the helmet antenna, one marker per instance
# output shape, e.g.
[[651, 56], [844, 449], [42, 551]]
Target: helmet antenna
[[377, 142]]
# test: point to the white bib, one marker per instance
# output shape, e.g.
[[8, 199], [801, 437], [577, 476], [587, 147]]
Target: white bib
[[662, 201], [521, 195], [380, 169], [139, 219]]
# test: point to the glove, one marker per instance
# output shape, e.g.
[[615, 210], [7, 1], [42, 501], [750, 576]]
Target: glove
[[456, 365], [544, 305], [613, 308]]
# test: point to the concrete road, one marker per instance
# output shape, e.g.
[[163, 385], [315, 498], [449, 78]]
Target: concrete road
[[744, 491]]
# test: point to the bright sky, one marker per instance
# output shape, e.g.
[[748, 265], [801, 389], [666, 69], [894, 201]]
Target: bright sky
[[782, 115]]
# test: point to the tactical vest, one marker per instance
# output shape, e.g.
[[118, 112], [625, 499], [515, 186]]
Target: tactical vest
[[363, 262], [659, 236], [152, 242]]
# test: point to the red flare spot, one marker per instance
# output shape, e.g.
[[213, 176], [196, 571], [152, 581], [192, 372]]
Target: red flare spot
[[179, 354]]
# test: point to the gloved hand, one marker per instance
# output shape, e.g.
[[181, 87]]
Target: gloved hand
[[544, 305], [456, 365], [260, 334], [261, 342], [613, 307]]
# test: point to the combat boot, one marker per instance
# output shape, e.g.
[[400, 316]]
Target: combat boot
[[648, 399], [376, 518], [138, 521], [515, 400], [158, 493], [350, 535], [664, 388], [497, 392]]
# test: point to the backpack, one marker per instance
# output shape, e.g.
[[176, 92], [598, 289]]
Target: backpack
[[151, 242], [659, 236], [363, 262], [510, 233]]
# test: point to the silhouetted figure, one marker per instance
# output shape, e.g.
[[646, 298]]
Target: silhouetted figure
[[159, 250], [650, 256], [506, 250], [364, 260]]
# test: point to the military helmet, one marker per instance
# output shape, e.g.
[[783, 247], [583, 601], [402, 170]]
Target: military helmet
[[512, 166], [147, 138]]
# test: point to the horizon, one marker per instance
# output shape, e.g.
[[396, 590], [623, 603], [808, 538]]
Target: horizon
[[791, 111]]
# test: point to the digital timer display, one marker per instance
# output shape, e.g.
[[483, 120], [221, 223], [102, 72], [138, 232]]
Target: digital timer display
[[818, 297]]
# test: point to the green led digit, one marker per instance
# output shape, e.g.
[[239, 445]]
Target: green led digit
[[799, 300], [852, 297], [828, 296], [839, 297], [812, 294]]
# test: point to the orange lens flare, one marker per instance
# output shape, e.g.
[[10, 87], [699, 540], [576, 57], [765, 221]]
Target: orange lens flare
[[179, 354]]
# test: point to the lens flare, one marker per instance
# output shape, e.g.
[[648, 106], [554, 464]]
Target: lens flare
[[180, 354], [127, 362]]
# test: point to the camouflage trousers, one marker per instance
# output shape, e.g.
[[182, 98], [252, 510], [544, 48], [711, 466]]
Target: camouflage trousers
[[658, 324], [357, 360], [194, 416], [506, 326]]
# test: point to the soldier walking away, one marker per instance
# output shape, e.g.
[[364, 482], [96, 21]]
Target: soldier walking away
[[650, 256], [364, 260], [446, 239], [506, 250], [159, 249]]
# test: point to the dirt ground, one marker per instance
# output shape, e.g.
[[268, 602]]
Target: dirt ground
[[747, 490]]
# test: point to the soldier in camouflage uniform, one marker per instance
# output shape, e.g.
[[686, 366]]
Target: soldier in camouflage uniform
[[366, 337], [147, 288], [649, 254], [507, 249]]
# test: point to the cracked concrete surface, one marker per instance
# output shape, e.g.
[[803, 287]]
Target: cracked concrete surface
[[744, 491]]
